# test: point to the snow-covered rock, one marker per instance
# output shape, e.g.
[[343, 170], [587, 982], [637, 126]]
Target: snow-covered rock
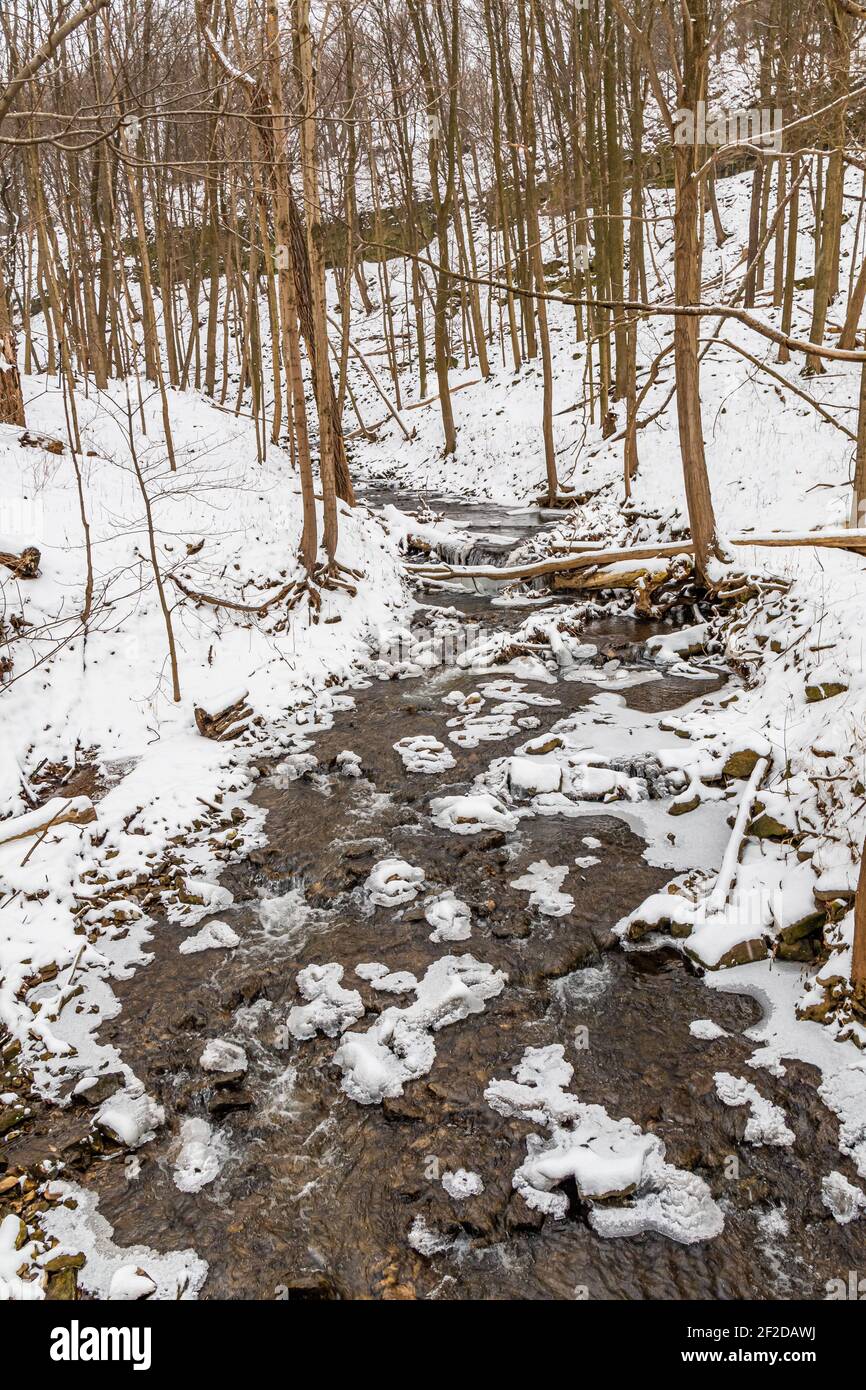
[[399, 1046], [619, 1171], [393, 882], [330, 1009], [214, 936]]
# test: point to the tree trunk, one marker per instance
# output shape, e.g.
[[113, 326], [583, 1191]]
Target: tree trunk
[[687, 281], [11, 399], [858, 954]]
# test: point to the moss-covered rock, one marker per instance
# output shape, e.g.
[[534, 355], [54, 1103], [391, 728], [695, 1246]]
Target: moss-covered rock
[[741, 764], [824, 690], [766, 827]]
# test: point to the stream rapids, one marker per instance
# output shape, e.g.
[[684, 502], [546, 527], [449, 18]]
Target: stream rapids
[[316, 1193]]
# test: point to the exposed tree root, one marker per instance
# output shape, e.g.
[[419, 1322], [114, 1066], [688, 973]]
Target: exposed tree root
[[23, 566], [253, 608]]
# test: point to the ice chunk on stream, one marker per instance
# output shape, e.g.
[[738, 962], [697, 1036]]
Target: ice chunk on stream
[[424, 753], [469, 815], [393, 882], [462, 1184], [543, 882], [331, 1008], [130, 1117], [224, 1057], [607, 1159], [427, 1241], [449, 916], [842, 1198], [293, 767], [200, 1156], [390, 981], [706, 1030], [129, 1284], [766, 1122], [399, 1047], [212, 937]]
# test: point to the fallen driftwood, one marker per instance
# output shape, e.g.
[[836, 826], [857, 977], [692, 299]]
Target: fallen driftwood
[[576, 557], [77, 810], [728, 871], [228, 720], [23, 566]]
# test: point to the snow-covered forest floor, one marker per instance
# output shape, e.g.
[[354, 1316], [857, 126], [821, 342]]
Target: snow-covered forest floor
[[90, 714]]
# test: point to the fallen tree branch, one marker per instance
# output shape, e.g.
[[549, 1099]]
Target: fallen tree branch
[[638, 306], [228, 722], [77, 810]]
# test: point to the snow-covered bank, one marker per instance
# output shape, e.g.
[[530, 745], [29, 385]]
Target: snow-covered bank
[[94, 710]]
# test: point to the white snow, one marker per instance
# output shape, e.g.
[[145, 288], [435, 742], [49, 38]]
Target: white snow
[[766, 1123], [81, 1228], [331, 1008], [399, 1046], [393, 882], [214, 936], [608, 1159]]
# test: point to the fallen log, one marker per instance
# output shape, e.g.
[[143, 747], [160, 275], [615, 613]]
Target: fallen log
[[41, 441], [627, 578], [577, 558], [228, 720], [580, 560], [77, 810], [23, 566]]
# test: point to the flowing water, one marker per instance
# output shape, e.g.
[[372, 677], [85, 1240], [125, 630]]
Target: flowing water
[[317, 1193]]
